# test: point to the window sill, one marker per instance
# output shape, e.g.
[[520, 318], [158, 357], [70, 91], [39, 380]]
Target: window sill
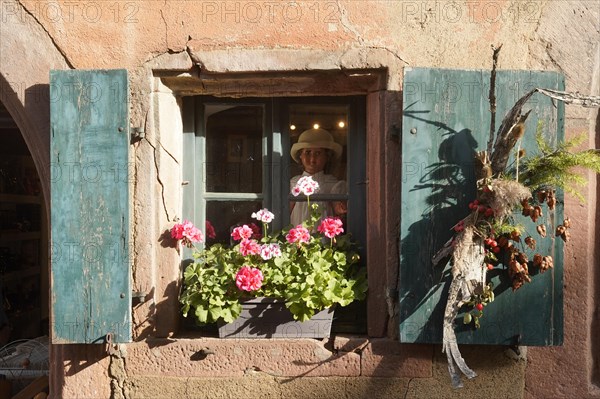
[[342, 356]]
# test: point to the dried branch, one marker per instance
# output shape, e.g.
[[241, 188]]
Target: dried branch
[[505, 140], [572, 98], [492, 97]]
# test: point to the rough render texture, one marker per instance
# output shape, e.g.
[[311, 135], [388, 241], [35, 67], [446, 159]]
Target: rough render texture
[[499, 376], [233, 37]]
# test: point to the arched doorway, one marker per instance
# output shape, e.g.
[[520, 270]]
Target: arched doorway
[[24, 283]]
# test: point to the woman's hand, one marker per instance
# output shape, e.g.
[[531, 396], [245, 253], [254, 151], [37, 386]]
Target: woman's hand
[[340, 207]]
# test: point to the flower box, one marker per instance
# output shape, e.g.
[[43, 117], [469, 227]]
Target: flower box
[[269, 318], [312, 268]]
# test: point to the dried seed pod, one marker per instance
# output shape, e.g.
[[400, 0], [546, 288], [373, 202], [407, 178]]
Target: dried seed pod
[[567, 223], [522, 152], [514, 267], [542, 195], [560, 230], [530, 242], [519, 278], [517, 283], [522, 258], [546, 263], [537, 260], [566, 236], [541, 229], [526, 207], [535, 213], [551, 200], [515, 236]]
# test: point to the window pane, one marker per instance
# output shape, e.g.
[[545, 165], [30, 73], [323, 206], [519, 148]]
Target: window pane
[[223, 216], [233, 148], [318, 139]]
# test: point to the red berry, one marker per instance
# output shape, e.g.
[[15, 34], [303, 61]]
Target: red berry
[[481, 208], [479, 307], [489, 212], [476, 202], [496, 250], [490, 266]]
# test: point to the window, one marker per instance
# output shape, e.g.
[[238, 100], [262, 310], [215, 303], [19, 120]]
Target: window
[[237, 160]]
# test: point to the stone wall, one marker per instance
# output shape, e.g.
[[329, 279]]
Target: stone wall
[[167, 46]]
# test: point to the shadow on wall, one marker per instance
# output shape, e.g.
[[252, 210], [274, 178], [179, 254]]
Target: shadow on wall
[[447, 185]]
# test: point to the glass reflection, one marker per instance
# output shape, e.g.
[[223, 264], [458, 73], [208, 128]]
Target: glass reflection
[[234, 148], [223, 216], [318, 149]]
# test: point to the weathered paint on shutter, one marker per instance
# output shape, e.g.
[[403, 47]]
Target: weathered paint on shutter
[[91, 294], [445, 119]]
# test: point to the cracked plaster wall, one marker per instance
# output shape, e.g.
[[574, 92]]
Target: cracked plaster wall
[[142, 36]]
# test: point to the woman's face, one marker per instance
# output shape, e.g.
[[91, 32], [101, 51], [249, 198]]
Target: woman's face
[[314, 159]]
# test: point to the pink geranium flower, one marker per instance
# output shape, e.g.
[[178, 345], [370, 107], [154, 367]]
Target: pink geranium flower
[[256, 234], [177, 231], [242, 233], [249, 278], [299, 234], [263, 216], [305, 185], [331, 227], [187, 232], [210, 230], [249, 247], [268, 251]]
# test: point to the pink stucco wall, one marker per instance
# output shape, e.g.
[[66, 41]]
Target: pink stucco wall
[[179, 37]]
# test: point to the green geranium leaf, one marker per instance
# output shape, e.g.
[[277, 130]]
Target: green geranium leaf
[[310, 276]]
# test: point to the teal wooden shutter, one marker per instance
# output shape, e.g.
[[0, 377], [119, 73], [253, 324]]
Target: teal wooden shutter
[[91, 294], [445, 119]]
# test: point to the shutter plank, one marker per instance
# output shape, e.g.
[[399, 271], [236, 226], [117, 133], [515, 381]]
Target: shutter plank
[[91, 293], [446, 118]]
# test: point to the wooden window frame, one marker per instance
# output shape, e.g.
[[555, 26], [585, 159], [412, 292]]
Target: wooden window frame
[[276, 162]]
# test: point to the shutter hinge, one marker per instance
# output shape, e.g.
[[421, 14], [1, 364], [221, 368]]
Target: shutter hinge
[[137, 133], [113, 349], [138, 297]]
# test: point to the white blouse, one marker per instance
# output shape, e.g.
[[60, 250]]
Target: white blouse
[[328, 184]]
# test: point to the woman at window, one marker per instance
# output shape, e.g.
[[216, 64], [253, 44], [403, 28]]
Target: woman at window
[[317, 152]]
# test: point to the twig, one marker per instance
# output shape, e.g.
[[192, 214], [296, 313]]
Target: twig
[[492, 97], [572, 98], [505, 141]]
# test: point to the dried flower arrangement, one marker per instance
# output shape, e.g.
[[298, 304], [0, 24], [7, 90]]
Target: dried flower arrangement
[[489, 237]]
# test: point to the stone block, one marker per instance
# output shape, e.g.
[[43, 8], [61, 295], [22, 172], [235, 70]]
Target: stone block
[[389, 358], [211, 357]]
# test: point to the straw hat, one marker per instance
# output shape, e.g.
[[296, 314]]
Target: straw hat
[[316, 138]]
